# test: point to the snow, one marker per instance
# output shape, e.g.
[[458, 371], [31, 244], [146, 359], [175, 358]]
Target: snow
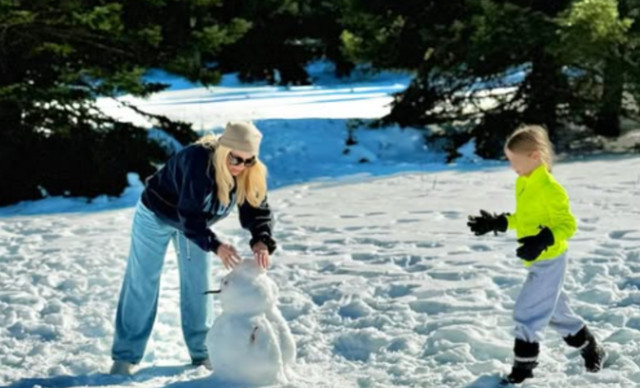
[[379, 279]]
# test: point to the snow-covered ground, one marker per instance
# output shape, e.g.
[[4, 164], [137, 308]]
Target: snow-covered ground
[[380, 280]]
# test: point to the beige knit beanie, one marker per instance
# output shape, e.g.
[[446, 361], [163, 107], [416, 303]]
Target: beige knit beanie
[[241, 136]]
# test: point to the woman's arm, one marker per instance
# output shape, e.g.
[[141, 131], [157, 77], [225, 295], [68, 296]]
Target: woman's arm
[[259, 221], [194, 185]]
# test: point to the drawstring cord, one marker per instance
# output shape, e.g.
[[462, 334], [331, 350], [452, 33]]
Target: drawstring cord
[[186, 243], [188, 249]]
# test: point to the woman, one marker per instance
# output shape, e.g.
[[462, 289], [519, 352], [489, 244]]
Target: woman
[[196, 188]]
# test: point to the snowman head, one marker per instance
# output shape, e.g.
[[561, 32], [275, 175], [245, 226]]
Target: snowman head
[[247, 290]]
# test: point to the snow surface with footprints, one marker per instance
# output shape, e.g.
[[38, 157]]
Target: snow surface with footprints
[[381, 284], [380, 280]]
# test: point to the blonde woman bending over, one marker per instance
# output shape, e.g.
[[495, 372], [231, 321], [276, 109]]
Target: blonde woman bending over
[[196, 188]]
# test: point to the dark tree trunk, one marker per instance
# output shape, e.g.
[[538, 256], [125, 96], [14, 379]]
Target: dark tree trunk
[[10, 114], [544, 90], [18, 152], [10, 110], [608, 118]]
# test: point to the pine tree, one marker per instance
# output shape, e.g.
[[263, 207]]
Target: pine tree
[[285, 36], [486, 66], [57, 56]]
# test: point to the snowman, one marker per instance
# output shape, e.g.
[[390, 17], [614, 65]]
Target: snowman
[[250, 342]]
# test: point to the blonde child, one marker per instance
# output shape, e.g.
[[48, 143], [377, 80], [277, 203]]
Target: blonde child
[[543, 222]]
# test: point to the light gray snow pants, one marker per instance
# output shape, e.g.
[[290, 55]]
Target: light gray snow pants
[[542, 302]]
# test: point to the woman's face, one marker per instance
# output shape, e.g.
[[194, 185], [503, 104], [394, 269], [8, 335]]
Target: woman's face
[[523, 163], [237, 161]]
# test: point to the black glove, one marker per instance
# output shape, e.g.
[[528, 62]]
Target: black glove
[[487, 222], [533, 246]]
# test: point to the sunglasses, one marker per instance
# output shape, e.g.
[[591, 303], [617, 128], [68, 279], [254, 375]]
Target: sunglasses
[[235, 160]]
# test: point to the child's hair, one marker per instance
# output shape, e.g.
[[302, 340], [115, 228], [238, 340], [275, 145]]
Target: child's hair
[[530, 138], [252, 182]]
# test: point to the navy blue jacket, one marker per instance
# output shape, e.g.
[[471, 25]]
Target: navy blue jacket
[[183, 193]]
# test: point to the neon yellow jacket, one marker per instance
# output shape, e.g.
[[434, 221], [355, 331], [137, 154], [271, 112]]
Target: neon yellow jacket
[[540, 202]]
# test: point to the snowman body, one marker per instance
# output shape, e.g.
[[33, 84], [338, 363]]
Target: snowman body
[[250, 342]]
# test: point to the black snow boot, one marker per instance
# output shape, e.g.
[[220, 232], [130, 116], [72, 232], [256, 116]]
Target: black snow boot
[[526, 359], [592, 353]]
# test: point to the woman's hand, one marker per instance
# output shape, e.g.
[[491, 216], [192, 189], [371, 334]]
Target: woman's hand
[[229, 256], [261, 254]]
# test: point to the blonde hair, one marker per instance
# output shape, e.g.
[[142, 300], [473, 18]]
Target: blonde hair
[[531, 138], [252, 181]]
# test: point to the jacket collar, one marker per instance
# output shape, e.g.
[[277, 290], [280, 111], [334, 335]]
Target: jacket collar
[[538, 174]]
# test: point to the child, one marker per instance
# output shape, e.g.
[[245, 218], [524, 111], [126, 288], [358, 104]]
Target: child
[[544, 223]]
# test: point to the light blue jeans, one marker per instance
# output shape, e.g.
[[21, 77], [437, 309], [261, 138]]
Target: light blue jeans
[[542, 302], [138, 302]]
